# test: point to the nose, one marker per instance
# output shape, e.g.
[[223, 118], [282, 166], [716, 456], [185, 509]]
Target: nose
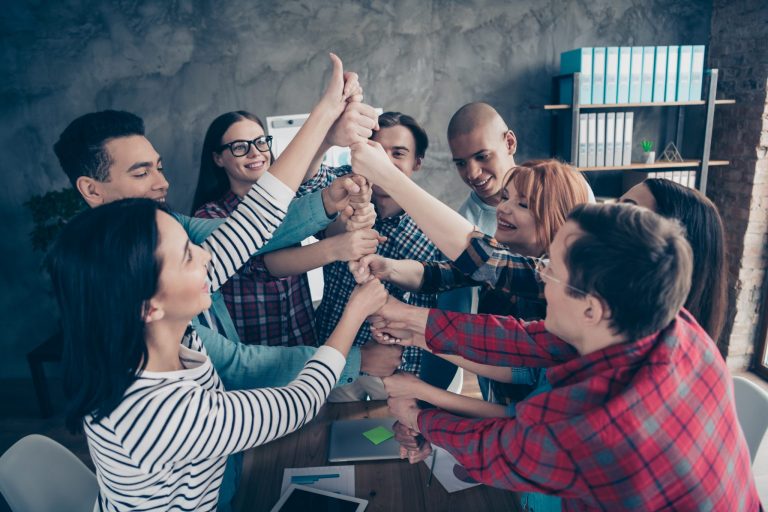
[[252, 151], [473, 170], [204, 255], [160, 182]]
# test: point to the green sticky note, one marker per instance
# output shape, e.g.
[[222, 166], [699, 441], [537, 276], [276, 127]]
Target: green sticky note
[[378, 435]]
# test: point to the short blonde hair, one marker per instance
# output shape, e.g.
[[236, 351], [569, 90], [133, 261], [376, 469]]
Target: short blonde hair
[[552, 189]]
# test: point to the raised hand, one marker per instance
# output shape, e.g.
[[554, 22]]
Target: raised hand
[[337, 195], [356, 124], [370, 160], [341, 87], [362, 217], [368, 298]]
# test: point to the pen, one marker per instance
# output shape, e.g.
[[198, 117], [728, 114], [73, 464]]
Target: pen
[[432, 467], [312, 478]]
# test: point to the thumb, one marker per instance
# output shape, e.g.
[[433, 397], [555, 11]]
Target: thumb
[[350, 186], [338, 68], [382, 239]]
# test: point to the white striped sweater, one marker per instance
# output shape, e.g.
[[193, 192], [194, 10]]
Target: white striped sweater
[[165, 446]]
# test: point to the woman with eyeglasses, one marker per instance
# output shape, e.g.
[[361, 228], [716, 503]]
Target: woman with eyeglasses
[[266, 310]]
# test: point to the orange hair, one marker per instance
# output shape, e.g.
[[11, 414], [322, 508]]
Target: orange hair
[[552, 189]]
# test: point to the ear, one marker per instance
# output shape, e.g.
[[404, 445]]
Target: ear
[[595, 311], [218, 160], [90, 189], [418, 164], [153, 311], [511, 141]]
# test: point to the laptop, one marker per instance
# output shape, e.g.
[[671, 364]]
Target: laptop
[[347, 443]]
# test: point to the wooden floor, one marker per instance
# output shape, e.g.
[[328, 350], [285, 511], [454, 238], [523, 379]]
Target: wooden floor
[[20, 416]]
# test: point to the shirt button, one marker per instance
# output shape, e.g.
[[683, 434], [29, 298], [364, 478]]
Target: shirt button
[[349, 379]]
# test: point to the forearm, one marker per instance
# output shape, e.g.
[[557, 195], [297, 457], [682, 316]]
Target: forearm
[[291, 167], [407, 274], [497, 373], [446, 228], [463, 405], [337, 227], [344, 334], [314, 166], [298, 260]]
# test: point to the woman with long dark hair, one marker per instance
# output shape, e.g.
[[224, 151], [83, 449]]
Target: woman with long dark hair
[[158, 421], [708, 299]]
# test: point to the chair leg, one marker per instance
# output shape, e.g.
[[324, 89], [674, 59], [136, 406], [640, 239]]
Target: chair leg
[[41, 386]]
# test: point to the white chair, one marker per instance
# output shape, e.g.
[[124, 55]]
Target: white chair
[[37, 474], [752, 410]]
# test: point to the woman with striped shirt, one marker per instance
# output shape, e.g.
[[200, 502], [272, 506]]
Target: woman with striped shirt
[[158, 421]]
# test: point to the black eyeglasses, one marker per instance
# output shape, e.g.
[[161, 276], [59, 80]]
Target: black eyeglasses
[[240, 148]]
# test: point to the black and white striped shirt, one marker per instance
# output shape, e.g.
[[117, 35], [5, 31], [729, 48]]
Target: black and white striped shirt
[[165, 446]]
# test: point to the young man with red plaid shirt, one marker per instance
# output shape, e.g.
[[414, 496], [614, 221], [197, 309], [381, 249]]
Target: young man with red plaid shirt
[[641, 413]]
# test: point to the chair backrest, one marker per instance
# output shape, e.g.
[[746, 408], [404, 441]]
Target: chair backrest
[[752, 409], [37, 474]]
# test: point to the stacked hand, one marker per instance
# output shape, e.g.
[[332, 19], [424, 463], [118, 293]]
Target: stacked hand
[[353, 245], [412, 444], [342, 88], [368, 298], [388, 328], [371, 266], [370, 160]]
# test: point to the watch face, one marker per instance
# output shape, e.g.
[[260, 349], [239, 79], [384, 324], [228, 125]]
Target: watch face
[[460, 472]]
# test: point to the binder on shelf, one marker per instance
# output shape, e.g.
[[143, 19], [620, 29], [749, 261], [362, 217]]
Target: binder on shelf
[[697, 72], [583, 134], [660, 74], [635, 74], [684, 73], [610, 136], [598, 76], [625, 60], [629, 118], [646, 94], [618, 140], [576, 61], [611, 74], [672, 56], [600, 145], [591, 139]]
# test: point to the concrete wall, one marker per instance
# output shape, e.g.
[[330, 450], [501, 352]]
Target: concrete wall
[[179, 64]]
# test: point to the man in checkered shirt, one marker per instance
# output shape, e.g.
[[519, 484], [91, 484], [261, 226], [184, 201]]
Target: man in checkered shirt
[[640, 414], [405, 143]]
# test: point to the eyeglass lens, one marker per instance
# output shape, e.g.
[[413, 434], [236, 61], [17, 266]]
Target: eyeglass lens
[[241, 147]]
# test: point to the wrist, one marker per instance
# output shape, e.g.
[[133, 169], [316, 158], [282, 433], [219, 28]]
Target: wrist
[[326, 112], [328, 205]]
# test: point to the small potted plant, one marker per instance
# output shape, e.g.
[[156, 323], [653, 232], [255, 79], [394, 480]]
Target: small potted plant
[[648, 152]]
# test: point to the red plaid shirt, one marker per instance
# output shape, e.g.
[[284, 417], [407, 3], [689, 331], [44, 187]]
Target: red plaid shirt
[[266, 310], [647, 425]]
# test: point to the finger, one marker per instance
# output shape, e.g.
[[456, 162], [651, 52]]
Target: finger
[[350, 186], [381, 239], [337, 75]]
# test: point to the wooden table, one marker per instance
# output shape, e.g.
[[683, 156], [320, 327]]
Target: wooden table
[[392, 485]]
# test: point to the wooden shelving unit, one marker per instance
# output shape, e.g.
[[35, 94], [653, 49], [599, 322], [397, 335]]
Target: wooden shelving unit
[[702, 164]]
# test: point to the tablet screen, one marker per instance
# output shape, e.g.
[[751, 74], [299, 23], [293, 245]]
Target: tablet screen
[[302, 501]]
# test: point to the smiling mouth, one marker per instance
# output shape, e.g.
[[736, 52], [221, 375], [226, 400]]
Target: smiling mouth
[[505, 225], [255, 166], [481, 184]]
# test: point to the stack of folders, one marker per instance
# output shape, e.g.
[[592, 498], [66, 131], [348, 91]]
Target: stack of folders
[[686, 178], [637, 74], [605, 139]]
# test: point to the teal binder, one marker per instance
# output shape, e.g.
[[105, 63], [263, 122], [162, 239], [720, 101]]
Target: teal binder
[[625, 60], [673, 52], [611, 74], [697, 72], [576, 61], [684, 73], [636, 74], [598, 76], [646, 94], [660, 74]]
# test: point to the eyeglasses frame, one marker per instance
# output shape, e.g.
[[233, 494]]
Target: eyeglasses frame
[[267, 138]]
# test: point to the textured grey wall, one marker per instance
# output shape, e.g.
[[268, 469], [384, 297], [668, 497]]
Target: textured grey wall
[[179, 64]]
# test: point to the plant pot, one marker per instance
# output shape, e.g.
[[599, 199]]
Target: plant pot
[[650, 157]]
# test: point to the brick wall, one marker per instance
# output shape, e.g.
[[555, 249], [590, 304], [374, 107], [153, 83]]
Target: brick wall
[[741, 189]]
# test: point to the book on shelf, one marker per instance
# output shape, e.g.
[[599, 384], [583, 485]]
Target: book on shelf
[[636, 74], [673, 53], [629, 118], [576, 61], [646, 89], [611, 74], [598, 76], [591, 139], [697, 72], [600, 145], [625, 60], [618, 140], [684, 73], [660, 74], [610, 136], [583, 142]]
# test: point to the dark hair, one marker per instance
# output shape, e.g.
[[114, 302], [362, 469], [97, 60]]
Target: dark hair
[[638, 262], [388, 119], [104, 269], [212, 182], [80, 148], [707, 300]]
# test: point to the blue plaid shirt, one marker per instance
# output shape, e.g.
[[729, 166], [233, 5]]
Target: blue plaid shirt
[[404, 241]]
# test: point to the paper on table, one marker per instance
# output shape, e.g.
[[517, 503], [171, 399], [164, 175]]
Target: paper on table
[[444, 470], [343, 484]]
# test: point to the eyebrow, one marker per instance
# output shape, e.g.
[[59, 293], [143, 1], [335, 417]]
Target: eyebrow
[[630, 201], [470, 156], [402, 148], [184, 254], [140, 165]]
